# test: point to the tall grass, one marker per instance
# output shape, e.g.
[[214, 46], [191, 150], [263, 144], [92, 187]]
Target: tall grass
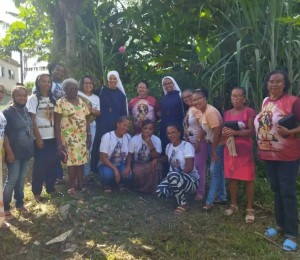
[[249, 42]]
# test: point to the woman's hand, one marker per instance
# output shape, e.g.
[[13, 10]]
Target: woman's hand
[[10, 157], [147, 139], [88, 140], [39, 143], [117, 176], [214, 156], [154, 165], [61, 148], [283, 131], [228, 132], [126, 172]]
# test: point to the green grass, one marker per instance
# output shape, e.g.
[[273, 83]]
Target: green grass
[[128, 225]]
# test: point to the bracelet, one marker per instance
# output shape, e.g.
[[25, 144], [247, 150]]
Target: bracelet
[[88, 134]]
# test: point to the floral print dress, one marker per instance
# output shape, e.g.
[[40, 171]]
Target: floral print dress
[[73, 130]]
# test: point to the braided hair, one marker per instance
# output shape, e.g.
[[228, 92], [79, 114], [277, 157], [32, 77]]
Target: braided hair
[[38, 91]]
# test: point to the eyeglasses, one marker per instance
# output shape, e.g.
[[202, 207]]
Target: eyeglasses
[[275, 82], [237, 96]]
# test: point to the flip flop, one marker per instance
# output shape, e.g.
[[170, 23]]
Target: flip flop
[[289, 245], [270, 232], [180, 209]]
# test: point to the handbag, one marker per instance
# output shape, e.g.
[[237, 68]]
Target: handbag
[[288, 121]]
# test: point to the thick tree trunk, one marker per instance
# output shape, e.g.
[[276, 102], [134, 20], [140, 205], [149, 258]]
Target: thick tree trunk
[[70, 9]]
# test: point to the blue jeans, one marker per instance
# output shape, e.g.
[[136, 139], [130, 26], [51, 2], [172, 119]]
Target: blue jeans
[[282, 176], [107, 176], [217, 182], [15, 183]]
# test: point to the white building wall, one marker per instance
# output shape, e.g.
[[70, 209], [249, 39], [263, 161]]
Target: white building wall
[[9, 74]]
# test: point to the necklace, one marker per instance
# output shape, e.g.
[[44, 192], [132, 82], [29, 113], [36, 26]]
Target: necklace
[[25, 120]]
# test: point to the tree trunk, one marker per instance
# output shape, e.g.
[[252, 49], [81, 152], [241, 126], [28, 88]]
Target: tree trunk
[[70, 9]]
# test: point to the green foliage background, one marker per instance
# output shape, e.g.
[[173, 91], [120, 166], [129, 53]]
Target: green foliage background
[[215, 44]]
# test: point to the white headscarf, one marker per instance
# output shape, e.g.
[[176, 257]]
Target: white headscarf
[[119, 84], [176, 87]]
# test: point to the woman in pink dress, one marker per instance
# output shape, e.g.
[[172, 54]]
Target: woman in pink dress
[[238, 153]]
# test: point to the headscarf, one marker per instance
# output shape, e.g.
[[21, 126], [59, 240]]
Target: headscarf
[[119, 84], [176, 87]]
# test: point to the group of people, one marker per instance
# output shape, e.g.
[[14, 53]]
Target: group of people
[[88, 129]]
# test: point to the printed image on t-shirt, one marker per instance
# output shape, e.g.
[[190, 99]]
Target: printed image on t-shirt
[[266, 133], [174, 161], [143, 153], [142, 110], [117, 157]]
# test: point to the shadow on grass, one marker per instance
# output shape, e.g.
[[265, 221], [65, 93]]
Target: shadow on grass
[[129, 225]]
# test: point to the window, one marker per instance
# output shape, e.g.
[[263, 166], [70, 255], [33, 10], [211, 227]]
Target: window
[[1, 72], [11, 74]]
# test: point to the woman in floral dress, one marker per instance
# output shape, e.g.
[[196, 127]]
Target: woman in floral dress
[[72, 130]]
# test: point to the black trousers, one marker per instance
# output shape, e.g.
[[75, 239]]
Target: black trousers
[[44, 166]]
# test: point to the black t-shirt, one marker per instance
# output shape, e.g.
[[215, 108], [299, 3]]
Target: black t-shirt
[[19, 132]]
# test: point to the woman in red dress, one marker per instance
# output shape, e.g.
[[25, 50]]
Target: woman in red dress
[[238, 153]]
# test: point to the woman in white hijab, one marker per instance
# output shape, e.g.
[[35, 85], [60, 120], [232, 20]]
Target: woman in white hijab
[[172, 110], [113, 104]]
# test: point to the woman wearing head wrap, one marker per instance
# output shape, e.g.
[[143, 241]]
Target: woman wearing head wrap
[[172, 111], [113, 104]]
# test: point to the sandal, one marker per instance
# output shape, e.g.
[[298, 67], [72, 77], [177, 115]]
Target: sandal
[[71, 191], [249, 219], [272, 232], [289, 245], [180, 209], [231, 210], [207, 208]]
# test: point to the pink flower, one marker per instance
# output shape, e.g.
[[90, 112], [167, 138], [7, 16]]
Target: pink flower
[[122, 49]]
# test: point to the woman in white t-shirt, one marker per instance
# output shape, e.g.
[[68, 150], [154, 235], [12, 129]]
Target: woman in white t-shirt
[[86, 88], [194, 134], [40, 107], [113, 154], [143, 158], [182, 177]]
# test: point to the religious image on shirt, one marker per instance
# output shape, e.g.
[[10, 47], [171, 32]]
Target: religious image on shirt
[[117, 156], [142, 111], [266, 133], [143, 153], [174, 162]]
